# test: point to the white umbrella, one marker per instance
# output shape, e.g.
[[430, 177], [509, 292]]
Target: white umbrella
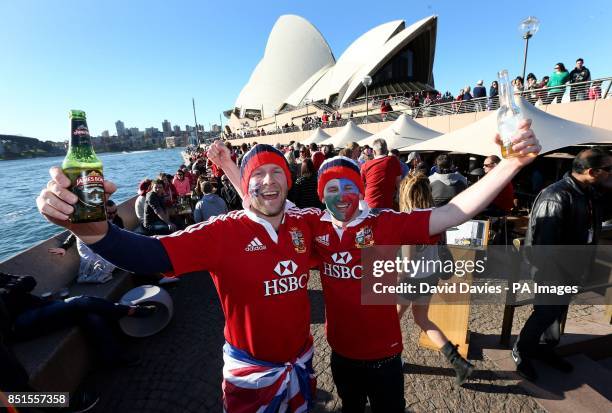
[[317, 136], [348, 133], [403, 132], [552, 132]]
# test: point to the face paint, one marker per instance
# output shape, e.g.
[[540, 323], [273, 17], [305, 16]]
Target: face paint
[[255, 189], [341, 198], [267, 190]]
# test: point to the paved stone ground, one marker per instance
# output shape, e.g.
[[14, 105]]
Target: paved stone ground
[[181, 369]]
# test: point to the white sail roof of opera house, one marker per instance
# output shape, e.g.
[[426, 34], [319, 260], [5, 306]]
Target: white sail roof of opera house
[[354, 57], [319, 135], [347, 134], [402, 132], [294, 52], [552, 132], [298, 64]]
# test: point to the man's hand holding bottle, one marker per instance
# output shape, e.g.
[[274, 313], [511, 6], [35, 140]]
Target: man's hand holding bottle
[[55, 203]]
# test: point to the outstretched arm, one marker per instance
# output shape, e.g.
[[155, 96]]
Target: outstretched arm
[[477, 197], [124, 249], [132, 252]]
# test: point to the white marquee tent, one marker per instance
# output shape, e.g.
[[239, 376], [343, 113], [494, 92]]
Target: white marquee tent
[[403, 132], [318, 135], [552, 132], [347, 134]]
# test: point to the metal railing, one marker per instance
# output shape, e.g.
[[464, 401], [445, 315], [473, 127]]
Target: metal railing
[[375, 100], [570, 92]]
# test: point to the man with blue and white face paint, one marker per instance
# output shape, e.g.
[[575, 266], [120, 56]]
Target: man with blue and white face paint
[[366, 341]]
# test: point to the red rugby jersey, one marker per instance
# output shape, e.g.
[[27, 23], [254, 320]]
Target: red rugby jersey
[[260, 276], [357, 331]]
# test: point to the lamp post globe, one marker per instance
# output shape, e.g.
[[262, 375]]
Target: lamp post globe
[[528, 28]]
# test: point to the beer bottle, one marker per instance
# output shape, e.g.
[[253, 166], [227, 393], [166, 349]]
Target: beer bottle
[[84, 169], [508, 115]]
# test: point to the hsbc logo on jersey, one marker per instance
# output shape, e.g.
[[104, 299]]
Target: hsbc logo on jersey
[[340, 268], [342, 257], [288, 280], [285, 268]]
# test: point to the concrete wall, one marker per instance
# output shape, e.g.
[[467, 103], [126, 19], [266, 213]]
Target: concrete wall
[[596, 113]]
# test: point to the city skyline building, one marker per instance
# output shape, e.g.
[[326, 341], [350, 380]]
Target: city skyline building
[[166, 128], [120, 126]]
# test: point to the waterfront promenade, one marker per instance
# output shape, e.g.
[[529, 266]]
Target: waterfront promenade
[[181, 369]]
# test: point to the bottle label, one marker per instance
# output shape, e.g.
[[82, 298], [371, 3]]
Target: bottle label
[[80, 135], [89, 187], [81, 130]]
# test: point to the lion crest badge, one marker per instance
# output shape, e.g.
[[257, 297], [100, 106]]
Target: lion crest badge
[[364, 238], [297, 239]]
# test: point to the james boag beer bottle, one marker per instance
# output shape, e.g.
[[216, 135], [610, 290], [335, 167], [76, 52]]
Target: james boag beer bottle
[[84, 169]]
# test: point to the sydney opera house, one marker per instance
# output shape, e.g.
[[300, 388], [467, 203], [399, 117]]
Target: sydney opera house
[[298, 67]]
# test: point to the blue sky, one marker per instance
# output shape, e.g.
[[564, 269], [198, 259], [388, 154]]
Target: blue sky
[[143, 61]]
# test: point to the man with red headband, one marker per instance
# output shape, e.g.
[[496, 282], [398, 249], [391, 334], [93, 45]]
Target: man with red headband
[[269, 348], [366, 341]]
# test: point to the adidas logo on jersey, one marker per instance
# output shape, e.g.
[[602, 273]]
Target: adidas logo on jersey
[[255, 245], [323, 239]]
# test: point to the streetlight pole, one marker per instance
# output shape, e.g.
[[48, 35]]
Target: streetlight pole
[[526, 37], [366, 81], [528, 28]]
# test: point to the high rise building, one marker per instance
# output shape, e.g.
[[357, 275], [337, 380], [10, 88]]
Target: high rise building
[[105, 134], [120, 128], [215, 128], [166, 128], [177, 130]]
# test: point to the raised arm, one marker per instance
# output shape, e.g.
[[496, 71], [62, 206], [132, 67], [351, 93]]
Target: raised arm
[[220, 156], [477, 197]]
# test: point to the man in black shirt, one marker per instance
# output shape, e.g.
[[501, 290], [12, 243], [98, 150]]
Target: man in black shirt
[[156, 219], [229, 194], [568, 212], [579, 74]]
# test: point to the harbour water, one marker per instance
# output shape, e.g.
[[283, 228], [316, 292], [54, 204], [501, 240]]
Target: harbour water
[[20, 223]]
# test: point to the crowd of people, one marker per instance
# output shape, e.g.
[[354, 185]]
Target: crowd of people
[[549, 89]]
